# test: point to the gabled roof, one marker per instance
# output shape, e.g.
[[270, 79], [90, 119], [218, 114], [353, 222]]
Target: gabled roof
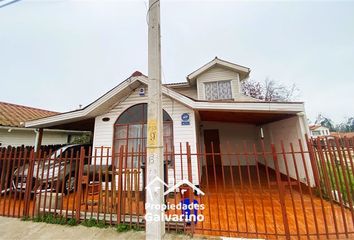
[[115, 95], [314, 127], [243, 71], [12, 115], [104, 103]]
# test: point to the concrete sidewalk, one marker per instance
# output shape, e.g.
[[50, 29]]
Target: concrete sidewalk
[[12, 228]]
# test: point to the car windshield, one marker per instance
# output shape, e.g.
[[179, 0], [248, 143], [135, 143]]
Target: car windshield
[[64, 150]]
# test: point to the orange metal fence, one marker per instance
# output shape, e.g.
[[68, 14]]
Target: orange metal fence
[[289, 190]]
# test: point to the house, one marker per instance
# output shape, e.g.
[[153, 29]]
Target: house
[[208, 111], [319, 131], [343, 134], [14, 133]]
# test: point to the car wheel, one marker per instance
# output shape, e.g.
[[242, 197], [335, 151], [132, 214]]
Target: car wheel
[[69, 184]]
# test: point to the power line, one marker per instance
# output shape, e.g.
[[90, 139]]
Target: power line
[[9, 3]]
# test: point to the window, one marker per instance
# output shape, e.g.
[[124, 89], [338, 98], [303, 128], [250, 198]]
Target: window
[[316, 133], [130, 131], [218, 90]]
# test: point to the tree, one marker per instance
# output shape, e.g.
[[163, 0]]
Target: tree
[[81, 139], [269, 90], [350, 124], [325, 122], [347, 126]]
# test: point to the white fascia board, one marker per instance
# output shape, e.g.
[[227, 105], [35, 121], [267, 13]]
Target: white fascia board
[[45, 130], [245, 106], [220, 62]]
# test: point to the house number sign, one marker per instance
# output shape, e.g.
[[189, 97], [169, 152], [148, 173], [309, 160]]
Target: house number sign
[[185, 119]]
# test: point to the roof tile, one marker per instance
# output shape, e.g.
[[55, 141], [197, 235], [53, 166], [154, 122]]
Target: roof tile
[[12, 114]]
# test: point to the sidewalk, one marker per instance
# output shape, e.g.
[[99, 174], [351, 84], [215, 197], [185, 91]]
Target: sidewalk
[[12, 229]]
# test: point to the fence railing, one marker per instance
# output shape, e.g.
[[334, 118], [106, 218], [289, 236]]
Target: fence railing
[[290, 190]]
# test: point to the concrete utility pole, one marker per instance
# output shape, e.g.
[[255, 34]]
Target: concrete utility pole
[[154, 229]]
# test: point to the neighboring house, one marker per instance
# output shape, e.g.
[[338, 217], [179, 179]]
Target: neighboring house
[[208, 107], [14, 133], [343, 134], [319, 131]]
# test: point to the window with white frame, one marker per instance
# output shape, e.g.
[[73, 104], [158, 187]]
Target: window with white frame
[[218, 90]]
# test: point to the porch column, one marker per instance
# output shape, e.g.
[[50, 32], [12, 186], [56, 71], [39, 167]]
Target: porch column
[[38, 139]]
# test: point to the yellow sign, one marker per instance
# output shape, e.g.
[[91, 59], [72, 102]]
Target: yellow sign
[[152, 133]]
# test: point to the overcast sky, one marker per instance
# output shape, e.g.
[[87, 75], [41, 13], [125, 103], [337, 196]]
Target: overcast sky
[[57, 54]]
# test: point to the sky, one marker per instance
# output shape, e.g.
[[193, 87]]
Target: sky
[[59, 54]]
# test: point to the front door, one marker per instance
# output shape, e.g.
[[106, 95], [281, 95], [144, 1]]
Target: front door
[[212, 149]]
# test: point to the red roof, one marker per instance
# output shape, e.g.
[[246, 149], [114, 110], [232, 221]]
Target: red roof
[[314, 127], [12, 114], [343, 134], [136, 74]]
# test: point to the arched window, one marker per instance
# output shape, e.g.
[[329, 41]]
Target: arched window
[[130, 130]]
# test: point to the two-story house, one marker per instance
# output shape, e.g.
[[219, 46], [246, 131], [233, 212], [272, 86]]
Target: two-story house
[[319, 131], [207, 109]]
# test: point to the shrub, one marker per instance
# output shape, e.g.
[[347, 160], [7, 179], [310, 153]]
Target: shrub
[[122, 228], [72, 222]]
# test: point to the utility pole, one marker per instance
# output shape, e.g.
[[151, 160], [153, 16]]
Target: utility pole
[[155, 230]]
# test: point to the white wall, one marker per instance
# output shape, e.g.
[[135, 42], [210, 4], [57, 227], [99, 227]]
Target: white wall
[[320, 132], [289, 131], [103, 133], [19, 137], [232, 138], [188, 91]]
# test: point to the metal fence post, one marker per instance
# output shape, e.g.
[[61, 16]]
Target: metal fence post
[[79, 184], [27, 197], [314, 167], [120, 184], [281, 192]]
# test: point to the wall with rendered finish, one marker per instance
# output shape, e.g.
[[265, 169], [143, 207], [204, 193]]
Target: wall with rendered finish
[[18, 137], [233, 136], [289, 131]]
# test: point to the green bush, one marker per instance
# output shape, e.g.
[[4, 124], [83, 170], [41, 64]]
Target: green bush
[[55, 219], [25, 218], [52, 219], [126, 227], [89, 223], [122, 228], [101, 224], [94, 223], [72, 222]]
